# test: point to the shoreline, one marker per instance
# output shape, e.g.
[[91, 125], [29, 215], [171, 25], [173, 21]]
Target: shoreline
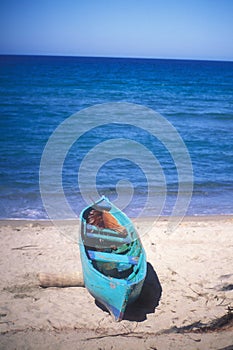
[[191, 218], [193, 266]]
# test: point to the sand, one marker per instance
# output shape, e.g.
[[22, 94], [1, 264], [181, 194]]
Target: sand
[[189, 289]]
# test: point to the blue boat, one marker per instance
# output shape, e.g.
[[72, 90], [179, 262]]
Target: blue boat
[[113, 258]]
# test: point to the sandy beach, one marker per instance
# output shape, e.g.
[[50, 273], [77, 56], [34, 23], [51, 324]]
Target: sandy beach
[[186, 302]]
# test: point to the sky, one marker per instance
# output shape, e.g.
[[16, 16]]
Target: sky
[[186, 29]]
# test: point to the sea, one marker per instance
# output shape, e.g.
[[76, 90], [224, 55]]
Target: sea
[[39, 94]]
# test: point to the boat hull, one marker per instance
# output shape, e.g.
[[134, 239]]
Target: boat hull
[[114, 293]]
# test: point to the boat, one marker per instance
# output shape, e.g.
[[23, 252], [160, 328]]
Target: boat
[[113, 258]]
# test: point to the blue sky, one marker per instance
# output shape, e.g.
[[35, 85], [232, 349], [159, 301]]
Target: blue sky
[[194, 29]]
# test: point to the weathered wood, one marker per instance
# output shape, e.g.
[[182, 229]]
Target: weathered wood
[[60, 280]]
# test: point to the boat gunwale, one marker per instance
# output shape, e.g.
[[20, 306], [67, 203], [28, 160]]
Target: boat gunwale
[[125, 281]]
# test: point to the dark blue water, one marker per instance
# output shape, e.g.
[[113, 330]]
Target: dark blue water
[[39, 93]]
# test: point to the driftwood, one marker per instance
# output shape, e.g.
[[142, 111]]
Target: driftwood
[[60, 280]]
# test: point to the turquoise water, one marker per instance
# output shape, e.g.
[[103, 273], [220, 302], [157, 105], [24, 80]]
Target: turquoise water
[[38, 93]]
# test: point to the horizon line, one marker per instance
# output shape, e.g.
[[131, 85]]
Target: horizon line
[[118, 57]]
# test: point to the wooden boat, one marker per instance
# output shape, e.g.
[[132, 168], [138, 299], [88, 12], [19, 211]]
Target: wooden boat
[[113, 258]]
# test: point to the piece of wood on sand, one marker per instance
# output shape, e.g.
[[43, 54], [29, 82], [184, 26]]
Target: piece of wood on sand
[[60, 279]]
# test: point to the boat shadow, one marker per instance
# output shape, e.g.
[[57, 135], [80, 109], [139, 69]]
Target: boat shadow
[[147, 301]]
